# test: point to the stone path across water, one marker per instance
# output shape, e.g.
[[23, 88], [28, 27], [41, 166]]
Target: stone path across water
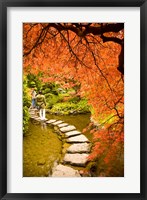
[[75, 155]]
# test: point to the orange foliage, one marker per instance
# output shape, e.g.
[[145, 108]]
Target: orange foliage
[[68, 58]]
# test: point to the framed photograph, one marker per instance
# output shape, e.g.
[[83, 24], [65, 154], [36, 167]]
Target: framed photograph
[[73, 99]]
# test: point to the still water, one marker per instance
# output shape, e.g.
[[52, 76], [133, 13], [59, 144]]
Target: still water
[[42, 147]]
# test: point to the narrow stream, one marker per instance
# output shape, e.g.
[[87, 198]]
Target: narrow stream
[[42, 147]]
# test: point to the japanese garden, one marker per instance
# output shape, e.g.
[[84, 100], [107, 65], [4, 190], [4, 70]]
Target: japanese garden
[[78, 68]]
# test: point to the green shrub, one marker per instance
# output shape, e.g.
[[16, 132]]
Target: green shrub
[[70, 107], [33, 81], [82, 105], [26, 105], [47, 90], [32, 84], [51, 99], [50, 88], [74, 99], [26, 118], [63, 108]]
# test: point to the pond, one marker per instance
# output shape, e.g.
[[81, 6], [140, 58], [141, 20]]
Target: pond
[[42, 147], [80, 121]]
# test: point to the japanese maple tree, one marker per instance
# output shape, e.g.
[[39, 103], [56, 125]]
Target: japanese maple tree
[[91, 55]]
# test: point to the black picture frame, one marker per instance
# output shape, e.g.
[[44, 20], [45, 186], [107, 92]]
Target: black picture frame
[[4, 4]]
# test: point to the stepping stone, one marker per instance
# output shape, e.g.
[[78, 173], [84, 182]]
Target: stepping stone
[[77, 139], [44, 119], [51, 121], [67, 129], [37, 118], [72, 133], [32, 113], [62, 125], [34, 117], [58, 122], [64, 171], [76, 159], [33, 109], [79, 148]]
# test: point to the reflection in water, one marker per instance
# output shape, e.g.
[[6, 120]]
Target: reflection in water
[[41, 147], [80, 121], [43, 125]]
